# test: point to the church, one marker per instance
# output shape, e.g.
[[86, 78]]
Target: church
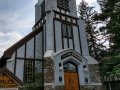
[[58, 46]]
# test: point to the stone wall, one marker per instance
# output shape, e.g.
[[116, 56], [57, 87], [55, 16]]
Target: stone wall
[[48, 71], [94, 73], [91, 87], [55, 88], [95, 79]]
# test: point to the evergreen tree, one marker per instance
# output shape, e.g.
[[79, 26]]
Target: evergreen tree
[[110, 15], [95, 44]]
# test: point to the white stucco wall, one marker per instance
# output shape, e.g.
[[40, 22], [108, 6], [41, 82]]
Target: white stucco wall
[[65, 43], [70, 44], [49, 31], [10, 63], [76, 39], [58, 38], [83, 37]]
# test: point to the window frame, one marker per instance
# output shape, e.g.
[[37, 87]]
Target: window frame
[[67, 31], [28, 64]]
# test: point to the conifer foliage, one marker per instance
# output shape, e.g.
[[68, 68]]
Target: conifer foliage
[[110, 15], [95, 44]]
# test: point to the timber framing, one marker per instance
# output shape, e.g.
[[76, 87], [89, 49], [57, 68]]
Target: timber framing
[[8, 53]]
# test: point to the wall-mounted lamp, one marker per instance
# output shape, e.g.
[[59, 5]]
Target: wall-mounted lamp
[[60, 64], [85, 68], [60, 78], [60, 67], [86, 79]]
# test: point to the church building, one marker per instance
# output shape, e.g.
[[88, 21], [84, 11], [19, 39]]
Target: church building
[[58, 47]]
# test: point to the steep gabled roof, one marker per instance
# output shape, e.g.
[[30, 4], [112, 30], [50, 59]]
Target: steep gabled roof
[[8, 53], [12, 76]]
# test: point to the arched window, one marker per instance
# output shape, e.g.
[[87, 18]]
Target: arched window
[[69, 67]]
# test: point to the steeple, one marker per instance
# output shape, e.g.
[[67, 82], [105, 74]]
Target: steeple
[[39, 2]]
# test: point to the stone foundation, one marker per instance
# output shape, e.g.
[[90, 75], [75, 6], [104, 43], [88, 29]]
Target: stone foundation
[[55, 88], [82, 87], [91, 87], [48, 71], [94, 73]]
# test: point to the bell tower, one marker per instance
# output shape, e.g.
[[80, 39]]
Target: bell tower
[[64, 43], [58, 46]]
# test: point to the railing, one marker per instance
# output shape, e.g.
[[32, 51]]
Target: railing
[[110, 79]]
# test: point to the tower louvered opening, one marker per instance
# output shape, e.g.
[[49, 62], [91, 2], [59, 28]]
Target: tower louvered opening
[[63, 4]]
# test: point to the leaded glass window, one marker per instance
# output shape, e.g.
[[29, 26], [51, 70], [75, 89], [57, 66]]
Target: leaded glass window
[[28, 77], [64, 29], [69, 31]]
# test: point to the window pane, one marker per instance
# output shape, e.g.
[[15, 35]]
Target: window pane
[[64, 29], [28, 71], [69, 31]]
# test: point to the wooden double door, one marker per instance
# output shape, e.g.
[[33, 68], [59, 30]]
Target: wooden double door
[[71, 81]]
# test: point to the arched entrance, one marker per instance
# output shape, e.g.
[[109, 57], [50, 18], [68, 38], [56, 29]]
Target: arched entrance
[[71, 79]]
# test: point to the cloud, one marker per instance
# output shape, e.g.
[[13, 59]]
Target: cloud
[[16, 21], [8, 39]]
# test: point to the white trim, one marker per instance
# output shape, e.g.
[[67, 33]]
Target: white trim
[[50, 84], [91, 84], [47, 84], [60, 84], [91, 60], [10, 60]]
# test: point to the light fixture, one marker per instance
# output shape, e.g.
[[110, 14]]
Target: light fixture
[[60, 64], [85, 68], [60, 67], [86, 79]]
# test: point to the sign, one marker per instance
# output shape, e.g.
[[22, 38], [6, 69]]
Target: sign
[[7, 82], [71, 54]]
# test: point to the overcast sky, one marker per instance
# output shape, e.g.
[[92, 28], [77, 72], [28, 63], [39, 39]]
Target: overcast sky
[[17, 18]]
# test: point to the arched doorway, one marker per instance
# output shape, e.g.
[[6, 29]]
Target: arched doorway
[[71, 79]]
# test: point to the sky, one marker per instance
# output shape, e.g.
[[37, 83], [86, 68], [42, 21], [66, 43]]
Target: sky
[[17, 18]]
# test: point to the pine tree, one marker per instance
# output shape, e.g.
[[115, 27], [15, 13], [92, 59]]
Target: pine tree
[[95, 45], [111, 17]]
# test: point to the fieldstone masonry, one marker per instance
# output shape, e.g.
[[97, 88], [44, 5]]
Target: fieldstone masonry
[[49, 75], [94, 73], [48, 71], [94, 78], [91, 87]]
